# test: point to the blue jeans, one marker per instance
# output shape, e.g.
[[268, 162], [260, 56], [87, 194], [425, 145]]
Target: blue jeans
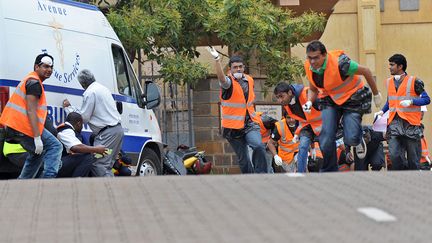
[[269, 158], [352, 132], [302, 155], [50, 158], [252, 137]]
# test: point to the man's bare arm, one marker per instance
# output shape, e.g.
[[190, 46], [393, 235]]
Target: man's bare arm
[[312, 93], [271, 146], [366, 72], [82, 148]]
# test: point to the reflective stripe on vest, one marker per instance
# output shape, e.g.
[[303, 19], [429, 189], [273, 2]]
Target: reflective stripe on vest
[[407, 92], [238, 118], [235, 105], [289, 150], [283, 134], [338, 96], [286, 147], [405, 109], [16, 109], [22, 110]]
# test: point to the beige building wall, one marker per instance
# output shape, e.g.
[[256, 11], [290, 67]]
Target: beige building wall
[[370, 37]]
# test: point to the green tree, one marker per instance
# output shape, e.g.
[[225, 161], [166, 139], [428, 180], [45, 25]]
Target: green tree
[[257, 26], [168, 31]]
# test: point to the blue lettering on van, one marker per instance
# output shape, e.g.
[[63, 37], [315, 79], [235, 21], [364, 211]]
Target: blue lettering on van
[[57, 114], [67, 77], [51, 8]]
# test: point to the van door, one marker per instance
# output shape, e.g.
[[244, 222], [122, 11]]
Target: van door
[[140, 124]]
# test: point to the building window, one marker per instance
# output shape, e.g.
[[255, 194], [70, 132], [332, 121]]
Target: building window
[[409, 5], [382, 5]]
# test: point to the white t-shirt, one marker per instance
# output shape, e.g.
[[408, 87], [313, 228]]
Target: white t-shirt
[[67, 138]]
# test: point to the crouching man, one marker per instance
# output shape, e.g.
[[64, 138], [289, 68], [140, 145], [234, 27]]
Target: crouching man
[[283, 134], [77, 158]]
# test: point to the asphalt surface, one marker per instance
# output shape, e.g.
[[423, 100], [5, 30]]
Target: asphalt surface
[[335, 207]]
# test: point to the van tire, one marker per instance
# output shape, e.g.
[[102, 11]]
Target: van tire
[[149, 164]]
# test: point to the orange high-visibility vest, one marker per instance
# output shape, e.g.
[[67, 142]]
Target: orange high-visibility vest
[[339, 152], [265, 133], [424, 150], [286, 148], [318, 151], [406, 91], [234, 109], [15, 112], [313, 118], [339, 90]]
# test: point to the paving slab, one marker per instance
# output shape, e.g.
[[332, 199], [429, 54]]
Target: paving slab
[[333, 207]]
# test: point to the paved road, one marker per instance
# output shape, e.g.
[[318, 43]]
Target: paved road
[[254, 208]]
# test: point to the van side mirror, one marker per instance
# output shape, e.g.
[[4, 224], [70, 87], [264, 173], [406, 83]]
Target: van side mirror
[[151, 96]]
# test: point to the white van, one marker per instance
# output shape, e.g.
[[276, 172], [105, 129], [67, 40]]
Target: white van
[[79, 36]]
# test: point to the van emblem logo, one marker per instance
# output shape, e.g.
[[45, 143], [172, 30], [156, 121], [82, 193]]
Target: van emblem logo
[[63, 76]]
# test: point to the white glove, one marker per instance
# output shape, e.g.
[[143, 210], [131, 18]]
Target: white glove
[[406, 103], [339, 142], [295, 139], [213, 52], [378, 114], [307, 107], [313, 153], [377, 100], [278, 160], [38, 145]]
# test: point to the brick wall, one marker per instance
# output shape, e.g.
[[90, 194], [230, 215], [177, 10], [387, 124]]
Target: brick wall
[[207, 124]]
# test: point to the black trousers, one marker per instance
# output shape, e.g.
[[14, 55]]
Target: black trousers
[[76, 165], [404, 152]]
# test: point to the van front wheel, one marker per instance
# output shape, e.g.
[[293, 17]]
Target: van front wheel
[[150, 164]]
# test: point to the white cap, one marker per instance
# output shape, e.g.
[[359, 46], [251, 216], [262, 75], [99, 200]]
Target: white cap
[[423, 108], [47, 60]]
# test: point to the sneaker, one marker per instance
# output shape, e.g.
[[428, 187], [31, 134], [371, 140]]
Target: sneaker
[[361, 149]]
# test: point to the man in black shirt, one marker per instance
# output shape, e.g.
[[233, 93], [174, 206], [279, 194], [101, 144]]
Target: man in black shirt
[[374, 155]]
